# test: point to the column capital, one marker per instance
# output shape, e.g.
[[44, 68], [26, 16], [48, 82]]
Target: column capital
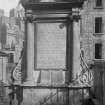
[[29, 16], [75, 18], [75, 15], [29, 19]]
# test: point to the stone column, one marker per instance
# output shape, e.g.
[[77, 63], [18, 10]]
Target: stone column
[[29, 45], [69, 52], [30, 50], [73, 48], [76, 47], [69, 57]]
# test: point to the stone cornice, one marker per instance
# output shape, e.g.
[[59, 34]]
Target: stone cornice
[[53, 5]]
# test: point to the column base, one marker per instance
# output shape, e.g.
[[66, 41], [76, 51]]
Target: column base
[[29, 82]]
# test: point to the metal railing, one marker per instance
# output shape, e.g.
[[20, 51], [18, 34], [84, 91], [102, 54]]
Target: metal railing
[[76, 96]]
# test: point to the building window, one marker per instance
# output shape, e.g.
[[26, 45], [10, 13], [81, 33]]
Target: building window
[[82, 53], [98, 3], [11, 58], [98, 25], [98, 51]]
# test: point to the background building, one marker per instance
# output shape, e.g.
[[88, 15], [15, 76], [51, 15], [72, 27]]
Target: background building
[[11, 39], [11, 45], [1, 12], [13, 12], [93, 42], [93, 30]]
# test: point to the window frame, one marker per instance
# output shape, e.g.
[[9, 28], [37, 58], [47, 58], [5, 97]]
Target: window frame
[[98, 3], [98, 25]]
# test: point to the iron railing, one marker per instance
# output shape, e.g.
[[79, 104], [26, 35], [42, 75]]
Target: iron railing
[[76, 96]]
